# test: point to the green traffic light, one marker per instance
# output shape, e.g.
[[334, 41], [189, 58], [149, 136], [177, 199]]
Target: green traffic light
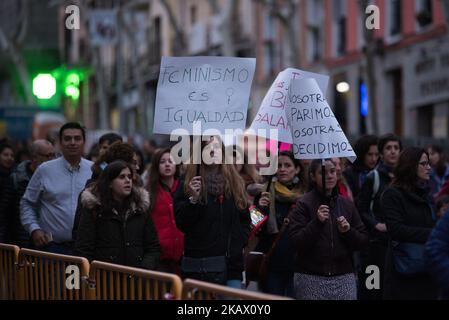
[[44, 86], [73, 78], [71, 88], [72, 91]]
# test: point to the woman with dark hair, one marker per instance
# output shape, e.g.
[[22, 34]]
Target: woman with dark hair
[[116, 151], [440, 168], [367, 157], [162, 184], [408, 213], [6, 157], [325, 229], [115, 226], [140, 169], [277, 203], [211, 209], [6, 166]]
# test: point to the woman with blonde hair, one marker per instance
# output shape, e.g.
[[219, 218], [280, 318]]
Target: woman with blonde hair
[[212, 210]]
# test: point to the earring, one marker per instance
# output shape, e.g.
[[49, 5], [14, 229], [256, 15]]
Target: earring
[[295, 180]]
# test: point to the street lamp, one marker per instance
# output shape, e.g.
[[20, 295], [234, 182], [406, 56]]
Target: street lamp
[[343, 87]]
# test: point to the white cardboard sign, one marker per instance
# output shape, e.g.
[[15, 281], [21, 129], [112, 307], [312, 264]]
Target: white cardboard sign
[[212, 91], [315, 130], [271, 114]]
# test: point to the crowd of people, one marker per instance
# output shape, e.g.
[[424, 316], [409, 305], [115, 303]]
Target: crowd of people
[[388, 209]]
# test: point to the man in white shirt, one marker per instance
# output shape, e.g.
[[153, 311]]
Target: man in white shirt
[[48, 206]]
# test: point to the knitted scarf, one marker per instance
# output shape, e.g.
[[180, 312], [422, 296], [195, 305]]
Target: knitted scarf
[[280, 193]]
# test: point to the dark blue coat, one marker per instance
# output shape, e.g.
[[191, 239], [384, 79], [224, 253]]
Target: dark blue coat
[[437, 249]]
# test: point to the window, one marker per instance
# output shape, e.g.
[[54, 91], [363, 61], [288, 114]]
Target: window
[[394, 18], [339, 23], [314, 31], [270, 30], [268, 59], [193, 13], [393, 30], [423, 13], [269, 36], [155, 41]]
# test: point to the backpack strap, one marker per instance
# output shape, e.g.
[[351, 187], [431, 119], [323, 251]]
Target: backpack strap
[[376, 187]]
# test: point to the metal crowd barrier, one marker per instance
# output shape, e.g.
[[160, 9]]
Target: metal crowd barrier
[[200, 290], [46, 276], [9, 282], [37, 275], [116, 282]]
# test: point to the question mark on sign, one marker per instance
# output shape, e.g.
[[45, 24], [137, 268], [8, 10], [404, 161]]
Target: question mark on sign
[[229, 93]]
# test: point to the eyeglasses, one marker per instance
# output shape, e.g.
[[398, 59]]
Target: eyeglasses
[[425, 163], [48, 155]]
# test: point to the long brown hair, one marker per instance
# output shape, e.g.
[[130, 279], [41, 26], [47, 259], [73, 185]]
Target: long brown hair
[[102, 188], [234, 184], [405, 173], [154, 178]]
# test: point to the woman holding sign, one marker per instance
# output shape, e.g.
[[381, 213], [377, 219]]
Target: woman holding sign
[[277, 204], [325, 229], [211, 209]]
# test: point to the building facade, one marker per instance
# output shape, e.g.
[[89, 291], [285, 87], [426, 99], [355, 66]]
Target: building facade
[[409, 60], [411, 70]]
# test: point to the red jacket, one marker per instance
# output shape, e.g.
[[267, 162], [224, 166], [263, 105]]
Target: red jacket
[[170, 238], [444, 189]]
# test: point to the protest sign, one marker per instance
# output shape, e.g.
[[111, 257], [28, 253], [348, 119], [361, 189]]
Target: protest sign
[[271, 114], [315, 131], [211, 91]]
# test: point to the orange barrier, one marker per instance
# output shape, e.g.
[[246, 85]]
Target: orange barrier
[[200, 290], [116, 282], [9, 282], [37, 275], [45, 278]]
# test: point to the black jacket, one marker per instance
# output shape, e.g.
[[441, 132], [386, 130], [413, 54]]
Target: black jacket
[[76, 221], [370, 219], [129, 239], [282, 257], [6, 205], [322, 250], [20, 178], [408, 216], [213, 229], [353, 177]]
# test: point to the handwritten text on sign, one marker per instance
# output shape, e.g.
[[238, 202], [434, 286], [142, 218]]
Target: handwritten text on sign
[[315, 130], [211, 90], [271, 114]]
